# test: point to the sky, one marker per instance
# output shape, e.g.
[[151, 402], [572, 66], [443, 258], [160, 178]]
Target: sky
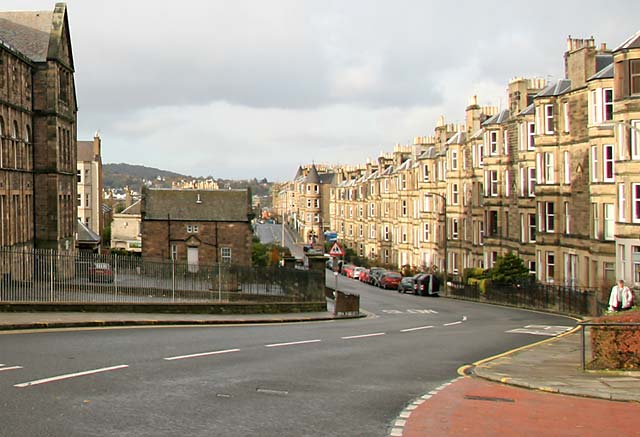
[[241, 89]]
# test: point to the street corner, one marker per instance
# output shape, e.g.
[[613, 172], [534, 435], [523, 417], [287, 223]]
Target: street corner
[[475, 407]]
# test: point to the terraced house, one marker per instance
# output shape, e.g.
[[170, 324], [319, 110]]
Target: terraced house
[[553, 177]]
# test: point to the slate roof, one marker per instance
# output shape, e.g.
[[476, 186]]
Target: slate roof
[[605, 73], [603, 60], [85, 150], [312, 176], [429, 153], [499, 118], [86, 235], [196, 205], [327, 178], [633, 42], [28, 32], [556, 89], [529, 110], [458, 138], [133, 209]]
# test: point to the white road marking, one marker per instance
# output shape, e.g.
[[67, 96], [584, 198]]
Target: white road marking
[[550, 331], [2, 369], [377, 334], [451, 324], [416, 329], [464, 318], [293, 343], [70, 375], [201, 354]]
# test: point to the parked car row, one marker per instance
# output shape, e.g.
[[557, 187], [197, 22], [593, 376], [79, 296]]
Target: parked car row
[[423, 284]]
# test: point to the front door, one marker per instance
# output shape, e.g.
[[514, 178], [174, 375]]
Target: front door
[[192, 259]]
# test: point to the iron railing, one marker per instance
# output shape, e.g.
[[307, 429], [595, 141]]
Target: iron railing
[[43, 276], [553, 298]]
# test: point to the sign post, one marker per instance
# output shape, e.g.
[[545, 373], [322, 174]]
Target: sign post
[[336, 252]]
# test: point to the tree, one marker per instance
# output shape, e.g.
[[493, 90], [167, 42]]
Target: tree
[[509, 269]]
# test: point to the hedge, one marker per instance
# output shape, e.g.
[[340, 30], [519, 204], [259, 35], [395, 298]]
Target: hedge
[[616, 347]]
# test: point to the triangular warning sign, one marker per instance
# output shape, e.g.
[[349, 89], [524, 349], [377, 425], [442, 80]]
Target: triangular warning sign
[[336, 250]]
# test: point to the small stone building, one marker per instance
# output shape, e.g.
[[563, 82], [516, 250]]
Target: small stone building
[[199, 227]]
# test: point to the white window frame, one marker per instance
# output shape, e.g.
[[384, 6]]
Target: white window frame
[[596, 221], [551, 266], [454, 159], [594, 163], [635, 202], [549, 216], [225, 254], [493, 143], [549, 119], [608, 163], [622, 203], [493, 181], [531, 133], [609, 222], [549, 168], [454, 228], [532, 227], [531, 183], [455, 200], [567, 219], [635, 139]]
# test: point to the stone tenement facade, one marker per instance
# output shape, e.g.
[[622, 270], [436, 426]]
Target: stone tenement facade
[[37, 130], [89, 179], [199, 227], [554, 178]]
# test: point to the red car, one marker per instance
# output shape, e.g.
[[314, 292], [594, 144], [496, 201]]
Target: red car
[[390, 280], [364, 276], [348, 270], [101, 272]]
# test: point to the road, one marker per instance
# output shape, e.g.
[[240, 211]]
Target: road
[[272, 233], [349, 377]]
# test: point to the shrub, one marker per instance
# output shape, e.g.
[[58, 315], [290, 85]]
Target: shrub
[[616, 347], [509, 269]]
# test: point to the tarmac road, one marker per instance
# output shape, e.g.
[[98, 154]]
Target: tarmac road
[[349, 377]]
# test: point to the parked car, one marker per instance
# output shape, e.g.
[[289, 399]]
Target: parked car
[[329, 264], [426, 285], [390, 280], [374, 276], [357, 272], [407, 283], [364, 276], [101, 272], [348, 270]]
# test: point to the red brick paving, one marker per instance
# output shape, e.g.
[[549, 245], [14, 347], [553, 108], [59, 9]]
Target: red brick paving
[[532, 413]]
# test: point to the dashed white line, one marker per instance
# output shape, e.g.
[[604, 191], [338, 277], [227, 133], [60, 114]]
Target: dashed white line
[[70, 375], [201, 354], [293, 343], [464, 318], [376, 334], [2, 369], [453, 323], [416, 329]]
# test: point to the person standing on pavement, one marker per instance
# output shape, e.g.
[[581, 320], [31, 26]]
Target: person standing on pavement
[[621, 297]]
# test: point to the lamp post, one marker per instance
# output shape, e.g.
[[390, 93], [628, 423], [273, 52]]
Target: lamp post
[[444, 246]]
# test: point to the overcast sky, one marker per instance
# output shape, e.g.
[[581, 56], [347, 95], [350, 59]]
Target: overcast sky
[[241, 89]]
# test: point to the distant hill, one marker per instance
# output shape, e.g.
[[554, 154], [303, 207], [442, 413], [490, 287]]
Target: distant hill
[[134, 176]]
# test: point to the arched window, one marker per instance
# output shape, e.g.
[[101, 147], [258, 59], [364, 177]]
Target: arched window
[[1, 127], [16, 131], [27, 134]]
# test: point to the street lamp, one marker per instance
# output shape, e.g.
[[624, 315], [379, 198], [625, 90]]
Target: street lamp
[[444, 246]]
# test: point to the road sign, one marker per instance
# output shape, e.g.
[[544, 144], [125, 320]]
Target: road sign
[[336, 250]]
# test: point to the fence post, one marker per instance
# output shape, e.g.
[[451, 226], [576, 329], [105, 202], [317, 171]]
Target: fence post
[[219, 281], [582, 343], [51, 272], [115, 273], [173, 279]]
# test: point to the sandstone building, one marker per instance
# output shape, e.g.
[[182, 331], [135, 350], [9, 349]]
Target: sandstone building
[[89, 179], [197, 227], [37, 130]]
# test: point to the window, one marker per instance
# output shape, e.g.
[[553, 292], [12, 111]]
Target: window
[[548, 119], [86, 175], [360, 211], [523, 230], [594, 163], [622, 201], [600, 105], [565, 112], [79, 176], [454, 159], [531, 187], [492, 224], [551, 261], [567, 168], [596, 221], [635, 203], [404, 208], [454, 194], [454, 228], [308, 203], [567, 219], [608, 104], [608, 164], [372, 231], [372, 210], [225, 254], [634, 135], [427, 232], [386, 233], [86, 201], [316, 203], [425, 173], [427, 203], [404, 233], [530, 137], [493, 182], [609, 221], [192, 229], [79, 199], [480, 155], [361, 231], [174, 252], [481, 232], [635, 253], [549, 216], [507, 189], [493, 143], [549, 168], [634, 77]]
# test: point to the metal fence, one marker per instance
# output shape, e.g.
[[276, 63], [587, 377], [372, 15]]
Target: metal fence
[[42, 276], [559, 299]]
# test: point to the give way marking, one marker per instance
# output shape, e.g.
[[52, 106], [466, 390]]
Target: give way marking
[[550, 331]]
